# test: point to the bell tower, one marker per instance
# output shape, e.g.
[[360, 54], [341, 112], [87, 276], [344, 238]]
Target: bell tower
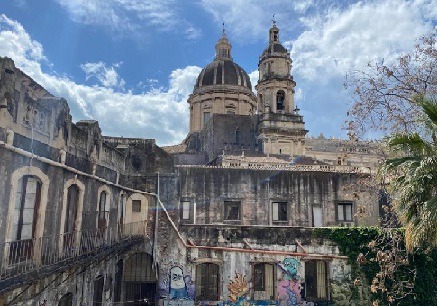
[[281, 127]]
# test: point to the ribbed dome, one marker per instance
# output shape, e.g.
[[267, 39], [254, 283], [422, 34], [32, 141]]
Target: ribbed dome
[[223, 72]]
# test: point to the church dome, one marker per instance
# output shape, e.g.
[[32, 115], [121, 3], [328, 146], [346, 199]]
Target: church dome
[[223, 70]]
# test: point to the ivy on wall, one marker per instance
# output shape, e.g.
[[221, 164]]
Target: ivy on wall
[[367, 262]]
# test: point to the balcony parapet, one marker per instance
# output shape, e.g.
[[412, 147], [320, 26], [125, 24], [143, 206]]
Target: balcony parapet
[[23, 260]]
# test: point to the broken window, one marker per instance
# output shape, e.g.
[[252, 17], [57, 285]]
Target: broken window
[[344, 211], [27, 202], [232, 210], [279, 210], [185, 210], [263, 281], [136, 206], [207, 282], [280, 96], [316, 280]]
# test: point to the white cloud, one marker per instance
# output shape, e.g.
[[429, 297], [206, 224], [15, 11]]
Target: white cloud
[[254, 77], [342, 40], [249, 20], [158, 113], [107, 76], [130, 16]]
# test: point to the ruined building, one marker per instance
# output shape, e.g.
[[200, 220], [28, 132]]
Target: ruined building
[[225, 217]]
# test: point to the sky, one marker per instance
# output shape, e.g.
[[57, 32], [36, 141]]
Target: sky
[[131, 64]]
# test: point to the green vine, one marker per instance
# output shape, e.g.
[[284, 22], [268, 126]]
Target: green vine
[[357, 240]]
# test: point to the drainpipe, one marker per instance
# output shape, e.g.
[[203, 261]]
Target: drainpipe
[[155, 230]]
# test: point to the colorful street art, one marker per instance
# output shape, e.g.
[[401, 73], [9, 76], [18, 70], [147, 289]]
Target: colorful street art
[[178, 287], [238, 289], [289, 287]]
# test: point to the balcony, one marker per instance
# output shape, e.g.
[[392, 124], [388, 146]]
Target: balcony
[[30, 259]]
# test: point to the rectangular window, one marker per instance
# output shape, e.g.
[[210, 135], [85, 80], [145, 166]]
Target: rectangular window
[[232, 210], [316, 280], [98, 291], [344, 211], [136, 205], [207, 282], [279, 211], [185, 209], [206, 117], [263, 281]]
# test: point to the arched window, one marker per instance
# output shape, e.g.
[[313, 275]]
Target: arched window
[[207, 282], [103, 210], [71, 215], [27, 203], [66, 300], [280, 96]]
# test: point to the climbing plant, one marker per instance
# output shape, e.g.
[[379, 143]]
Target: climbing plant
[[379, 261]]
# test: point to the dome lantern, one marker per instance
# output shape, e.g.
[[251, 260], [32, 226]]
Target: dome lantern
[[223, 47]]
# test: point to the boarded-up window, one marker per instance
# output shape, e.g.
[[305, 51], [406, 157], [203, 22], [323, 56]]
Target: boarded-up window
[[207, 281], [136, 206], [263, 281], [279, 210], [232, 210]]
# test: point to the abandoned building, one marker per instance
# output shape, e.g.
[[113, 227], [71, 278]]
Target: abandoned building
[[225, 217]]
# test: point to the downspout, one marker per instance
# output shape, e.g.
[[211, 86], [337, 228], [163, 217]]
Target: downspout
[[155, 230]]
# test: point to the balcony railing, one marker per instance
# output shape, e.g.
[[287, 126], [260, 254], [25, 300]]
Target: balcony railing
[[36, 255]]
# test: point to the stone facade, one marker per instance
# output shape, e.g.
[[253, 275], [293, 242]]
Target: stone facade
[[228, 216]]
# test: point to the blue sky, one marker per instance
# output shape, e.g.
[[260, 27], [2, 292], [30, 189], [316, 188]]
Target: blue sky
[[131, 64]]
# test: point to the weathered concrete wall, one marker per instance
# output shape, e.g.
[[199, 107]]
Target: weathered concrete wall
[[209, 187]]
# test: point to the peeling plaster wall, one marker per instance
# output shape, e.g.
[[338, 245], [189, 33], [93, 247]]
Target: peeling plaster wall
[[257, 189]]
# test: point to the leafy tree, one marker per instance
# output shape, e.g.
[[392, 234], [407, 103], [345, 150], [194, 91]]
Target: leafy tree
[[412, 176], [384, 95]]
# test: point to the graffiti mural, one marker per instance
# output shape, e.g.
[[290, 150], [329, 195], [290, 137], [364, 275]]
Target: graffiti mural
[[178, 288], [289, 287], [238, 289]]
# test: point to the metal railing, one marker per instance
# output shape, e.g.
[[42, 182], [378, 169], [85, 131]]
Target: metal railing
[[32, 255]]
